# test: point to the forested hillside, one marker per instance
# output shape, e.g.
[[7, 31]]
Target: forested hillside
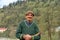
[[47, 15]]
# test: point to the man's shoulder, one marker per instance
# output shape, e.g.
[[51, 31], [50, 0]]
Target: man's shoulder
[[34, 22], [21, 22]]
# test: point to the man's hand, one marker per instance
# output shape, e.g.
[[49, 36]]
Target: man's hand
[[27, 37]]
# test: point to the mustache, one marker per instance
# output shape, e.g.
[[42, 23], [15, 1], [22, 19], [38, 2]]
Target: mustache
[[29, 17]]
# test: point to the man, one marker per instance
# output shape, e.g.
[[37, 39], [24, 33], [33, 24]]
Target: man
[[27, 29]]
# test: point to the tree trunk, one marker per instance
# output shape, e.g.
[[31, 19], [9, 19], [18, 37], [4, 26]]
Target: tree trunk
[[59, 35]]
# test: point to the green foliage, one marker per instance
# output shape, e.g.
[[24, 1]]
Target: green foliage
[[44, 10]]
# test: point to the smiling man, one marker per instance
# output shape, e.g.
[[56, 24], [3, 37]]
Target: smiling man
[[28, 30]]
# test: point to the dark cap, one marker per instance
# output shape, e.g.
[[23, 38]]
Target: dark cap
[[29, 12]]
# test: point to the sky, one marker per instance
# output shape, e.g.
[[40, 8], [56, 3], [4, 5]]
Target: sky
[[6, 2]]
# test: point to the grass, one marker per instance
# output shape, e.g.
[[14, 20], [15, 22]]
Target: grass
[[43, 37]]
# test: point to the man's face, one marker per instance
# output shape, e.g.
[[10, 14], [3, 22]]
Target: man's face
[[29, 17]]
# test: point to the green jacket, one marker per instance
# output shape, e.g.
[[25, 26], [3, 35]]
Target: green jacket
[[25, 29]]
